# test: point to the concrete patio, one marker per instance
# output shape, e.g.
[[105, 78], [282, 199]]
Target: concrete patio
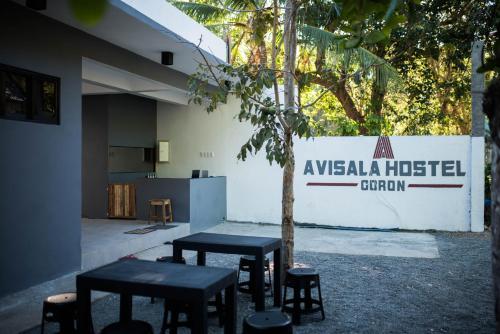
[[389, 282]]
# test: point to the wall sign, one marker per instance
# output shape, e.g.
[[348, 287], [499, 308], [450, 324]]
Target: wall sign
[[384, 173]]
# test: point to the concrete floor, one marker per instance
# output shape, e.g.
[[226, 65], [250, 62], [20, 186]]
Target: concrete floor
[[102, 239], [400, 244]]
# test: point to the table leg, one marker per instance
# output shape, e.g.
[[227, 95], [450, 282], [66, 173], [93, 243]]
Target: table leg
[[259, 282], [84, 316], [177, 253], [200, 318], [202, 258], [125, 307], [277, 277], [231, 309]]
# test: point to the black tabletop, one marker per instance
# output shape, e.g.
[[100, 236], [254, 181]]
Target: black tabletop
[[228, 240], [160, 274]]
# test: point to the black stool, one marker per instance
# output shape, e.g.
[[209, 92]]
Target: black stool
[[247, 264], [62, 309], [128, 327], [302, 279], [268, 322], [175, 309], [168, 259]]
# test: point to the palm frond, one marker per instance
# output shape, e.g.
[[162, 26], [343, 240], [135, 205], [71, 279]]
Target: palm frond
[[202, 13], [318, 37], [383, 71]]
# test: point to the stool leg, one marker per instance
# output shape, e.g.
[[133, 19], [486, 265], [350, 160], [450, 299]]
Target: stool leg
[[164, 214], [164, 322], [252, 283], [174, 321], [171, 212], [219, 308], [307, 297], [270, 280], [284, 297], [320, 299], [296, 306]]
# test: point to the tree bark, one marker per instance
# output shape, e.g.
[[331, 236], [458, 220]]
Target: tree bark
[[290, 48], [287, 231], [491, 106]]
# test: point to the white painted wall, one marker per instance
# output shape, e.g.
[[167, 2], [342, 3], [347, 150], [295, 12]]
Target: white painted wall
[[254, 187]]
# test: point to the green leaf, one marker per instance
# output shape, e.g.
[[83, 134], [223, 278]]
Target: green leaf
[[375, 36], [201, 12], [89, 12], [352, 43], [319, 37]]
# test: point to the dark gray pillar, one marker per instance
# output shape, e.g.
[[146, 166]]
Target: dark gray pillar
[[477, 90]]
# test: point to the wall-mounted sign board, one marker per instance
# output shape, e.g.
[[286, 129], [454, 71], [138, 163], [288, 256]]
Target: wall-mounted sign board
[[163, 151]]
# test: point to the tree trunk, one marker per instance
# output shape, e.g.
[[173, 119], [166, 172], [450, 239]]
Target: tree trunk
[[491, 106], [287, 233], [290, 48]]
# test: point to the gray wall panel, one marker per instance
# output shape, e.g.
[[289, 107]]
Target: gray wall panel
[[94, 156], [40, 170], [208, 202], [175, 189]]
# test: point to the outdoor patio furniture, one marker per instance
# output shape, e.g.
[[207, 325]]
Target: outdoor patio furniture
[[193, 285], [269, 322], [302, 279], [237, 244], [175, 309], [61, 309], [247, 264], [129, 327], [161, 205]]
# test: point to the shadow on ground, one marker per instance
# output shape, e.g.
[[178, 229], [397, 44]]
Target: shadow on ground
[[368, 294]]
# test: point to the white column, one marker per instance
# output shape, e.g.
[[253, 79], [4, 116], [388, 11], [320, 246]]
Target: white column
[[477, 185]]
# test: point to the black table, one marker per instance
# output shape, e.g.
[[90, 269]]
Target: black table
[[237, 244], [191, 284]]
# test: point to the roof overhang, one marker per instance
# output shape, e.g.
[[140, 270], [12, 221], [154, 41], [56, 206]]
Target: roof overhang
[[148, 27]]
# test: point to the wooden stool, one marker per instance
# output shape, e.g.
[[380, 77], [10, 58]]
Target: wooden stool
[[163, 204], [267, 322]]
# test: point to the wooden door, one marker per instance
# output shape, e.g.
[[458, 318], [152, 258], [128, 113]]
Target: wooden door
[[121, 200]]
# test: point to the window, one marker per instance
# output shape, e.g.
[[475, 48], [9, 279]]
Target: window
[[28, 96]]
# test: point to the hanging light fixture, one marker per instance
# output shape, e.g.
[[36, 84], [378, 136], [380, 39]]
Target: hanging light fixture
[[167, 58]]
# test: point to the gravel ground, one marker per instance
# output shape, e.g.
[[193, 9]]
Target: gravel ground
[[368, 294]]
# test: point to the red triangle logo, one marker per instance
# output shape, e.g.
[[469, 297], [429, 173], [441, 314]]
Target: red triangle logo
[[383, 149]]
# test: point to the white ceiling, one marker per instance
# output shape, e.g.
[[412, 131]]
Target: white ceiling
[[99, 78], [147, 28]]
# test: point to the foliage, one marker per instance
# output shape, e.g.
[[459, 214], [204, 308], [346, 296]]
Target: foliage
[[257, 106]]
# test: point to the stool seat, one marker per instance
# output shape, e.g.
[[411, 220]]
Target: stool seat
[[302, 272], [62, 298], [268, 322], [169, 259], [129, 327], [60, 308]]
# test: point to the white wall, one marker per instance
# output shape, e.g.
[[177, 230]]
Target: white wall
[[254, 187]]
